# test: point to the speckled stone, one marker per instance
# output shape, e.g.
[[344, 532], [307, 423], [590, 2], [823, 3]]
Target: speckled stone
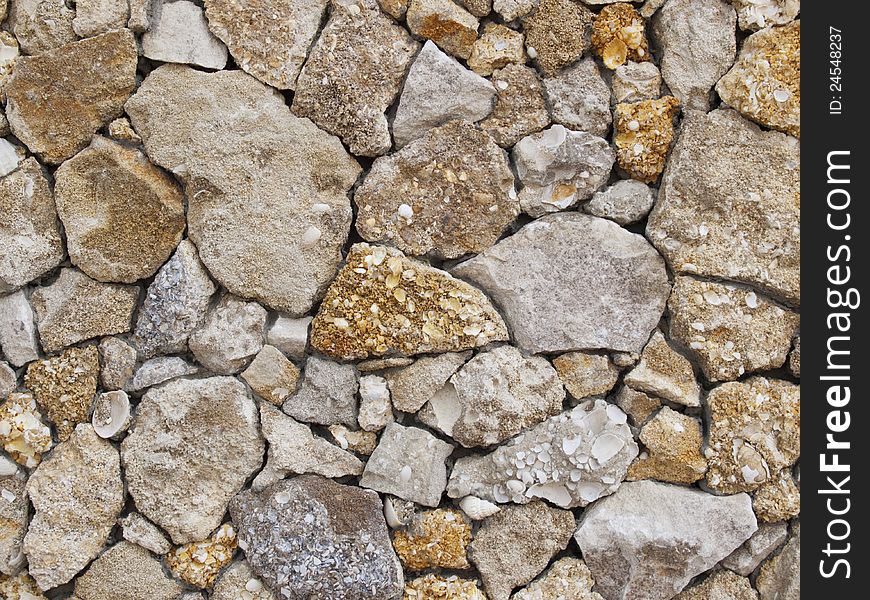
[[238, 581], [437, 587], [557, 33], [643, 135], [117, 363], [20, 587], [108, 578], [327, 394], [22, 433], [199, 563], [15, 515], [585, 374], [8, 379], [664, 372], [794, 359], [414, 385], [779, 577], [721, 585], [434, 539], [18, 329], [633, 82], [618, 35], [99, 16], [157, 370], [137, 529], [637, 405], [758, 14], [271, 375], [778, 499], [497, 47], [232, 333], [567, 579], [520, 108], [41, 25], [449, 25], [673, 449]]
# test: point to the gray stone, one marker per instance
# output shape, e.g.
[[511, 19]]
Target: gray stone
[[159, 370], [182, 430], [181, 34], [747, 557], [137, 529], [579, 98], [175, 304], [230, 336], [571, 282], [649, 539], [627, 201], [438, 89], [18, 329], [511, 9], [697, 41], [237, 173], [300, 534], [633, 82], [117, 363], [409, 463], [779, 578], [520, 107], [99, 16], [375, 408], [494, 396], [412, 386], [41, 25], [14, 516], [758, 14], [559, 167], [109, 577], [664, 372], [517, 543], [570, 460], [327, 395], [8, 379], [289, 335]]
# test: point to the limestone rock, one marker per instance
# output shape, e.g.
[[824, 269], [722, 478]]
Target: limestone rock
[[237, 173], [520, 108], [557, 33], [361, 442], [269, 40], [753, 433], [637, 405], [198, 563], [30, 242], [584, 374], [395, 8], [511, 9], [315, 529], [409, 463], [778, 499], [137, 529], [181, 431], [449, 25], [384, 303], [627, 201], [747, 557], [516, 544], [437, 90], [730, 330], [569, 579], [570, 460], [20, 587], [158, 370], [727, 180], [123, 216], [479, 8], [559, 167], [93, 17], [77, 494], [9, 52], [779, 578], [764, 84], [494, 396], [435, 539], [64, 386], [664, 372], [496, 48], [375, 408], [412, 386], [327, 394], [120, 129], [447, 587], [757, 14], [181, 34], [108, 578], [8, 379], [649, 539], [76, 308], [643, 136], [633, 82], [175, 305], [673, 449], [293, 448], [721, 584], [353, 73], [23, 434], [18, 329], [585, 283], [41, 25], [238, 581], [698, 42], [231, 335], [117, 363], [14, 516], [618, 35], [81, 86], [794, 359], [379, 364], [142, 14], [448, 193], [289, 335], [271, 375]]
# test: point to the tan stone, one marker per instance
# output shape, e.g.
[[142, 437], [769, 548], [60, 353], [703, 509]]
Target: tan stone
[[794, 359], [21, 587], [450, 26], [567, 579], [673, 449], [644, 132], [23, 434], [437, 587], [496, 48], [618, 35], [664, 372], [435, 539], [557, 33], [41, 25], [271, 375], [585, 374], [721, 585], [109, 577], [199, 563], [520, 108], [637, 405], [778, 499]]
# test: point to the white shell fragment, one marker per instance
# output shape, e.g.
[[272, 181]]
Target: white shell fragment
[[111, 414], [477, 508]]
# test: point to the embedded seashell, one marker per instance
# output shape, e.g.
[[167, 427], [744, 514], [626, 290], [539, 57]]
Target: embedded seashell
[[111, 414], [477, 508], [397, 512]]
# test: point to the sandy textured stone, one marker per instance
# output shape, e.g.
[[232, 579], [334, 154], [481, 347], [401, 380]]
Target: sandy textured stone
[[238, 581], [375, 408], [729, 329], [395, 8], [721, 585], [137, 529], [289, 335], [580, 99], [142, 13], [627, 201], [117, 363], [559, 167], [9, 52], [409, 463], [231, 334], [568, 579], [637, 405], [557, 33], [361, 442], [237, 173], [180, 34], [516, 544], [293, 448], [633, 82], [123, 217], [437, 90], [728, 206], [460, 204], [448, 314], [77, 494], [108, 578], [747, 557], [175, 305], [30, 242], [585, 374], [64, 387], [120, 129], [698, 43], [649, 539], [673, 449], [158, 370], [437, 587], [181, 431], [20, 587], [520, 108], [511, 9], [764, 84], [18, 329], [494, 396], [412, 386], [41, 25], [664, 372], [271, 375], [327, 394], [643, 135], [23, 434], [757, 14], [316, 528], [753, 430], [8, 379], [353, 73], [198, 563], [618, 35], [81, 85], [14, 516], [496, 48], [449, 25], [778, 499], [570, 460], [76, 308], [99, 16], [435, 539], [779, 578], [571, 281], [379, 364], [794, 359]]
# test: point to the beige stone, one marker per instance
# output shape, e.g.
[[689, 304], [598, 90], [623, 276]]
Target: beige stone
[[271, 375], [673, 449], [435, 539], [664, 372], [585, 374], [520, 108], [721, 585], [109, 577], [496, 48], [23, 434], [557, 33], [644, 132], [567, 579], [450, 26]]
